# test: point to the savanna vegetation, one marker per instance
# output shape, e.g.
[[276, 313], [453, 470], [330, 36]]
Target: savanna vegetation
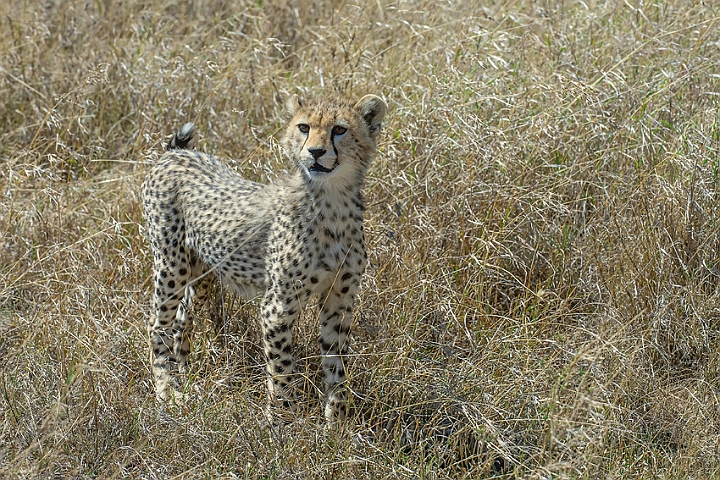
[[542, 225]]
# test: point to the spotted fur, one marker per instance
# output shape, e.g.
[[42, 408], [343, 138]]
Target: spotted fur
[[280, 242]]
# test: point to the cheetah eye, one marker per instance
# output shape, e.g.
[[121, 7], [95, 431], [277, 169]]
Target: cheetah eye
[[338, 130], [303, 127]]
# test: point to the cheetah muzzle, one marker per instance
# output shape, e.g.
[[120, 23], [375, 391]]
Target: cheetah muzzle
[[317, 168], [282, 243]]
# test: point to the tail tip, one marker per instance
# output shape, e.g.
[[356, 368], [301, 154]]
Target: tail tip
[[182, 138]]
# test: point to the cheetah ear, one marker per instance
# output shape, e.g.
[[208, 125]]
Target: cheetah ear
[[372, 108], [293, 104]]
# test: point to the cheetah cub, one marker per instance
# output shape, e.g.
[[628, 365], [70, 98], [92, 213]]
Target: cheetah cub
[[282, 243]]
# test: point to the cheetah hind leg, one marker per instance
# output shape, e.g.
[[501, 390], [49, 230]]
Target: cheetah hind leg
[[168, 385], [182, 329], [193, 300]]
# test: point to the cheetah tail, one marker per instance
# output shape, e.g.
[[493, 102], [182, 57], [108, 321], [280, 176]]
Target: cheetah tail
[[180, 140]]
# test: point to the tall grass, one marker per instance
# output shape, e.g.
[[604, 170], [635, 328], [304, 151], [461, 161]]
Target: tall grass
[[542, 225]]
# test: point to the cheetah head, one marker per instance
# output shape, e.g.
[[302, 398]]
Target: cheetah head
[[331, 138]]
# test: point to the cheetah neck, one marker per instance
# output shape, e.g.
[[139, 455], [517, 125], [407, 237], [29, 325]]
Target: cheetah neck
[[332, 203]]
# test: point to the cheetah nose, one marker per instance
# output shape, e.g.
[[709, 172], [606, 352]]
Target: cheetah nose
[[316, 152]]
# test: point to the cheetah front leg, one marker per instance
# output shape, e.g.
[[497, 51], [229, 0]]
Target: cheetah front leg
[[336, 310], [279, 311]]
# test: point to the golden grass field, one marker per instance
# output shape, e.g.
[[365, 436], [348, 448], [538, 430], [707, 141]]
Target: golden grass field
[[542, 226]]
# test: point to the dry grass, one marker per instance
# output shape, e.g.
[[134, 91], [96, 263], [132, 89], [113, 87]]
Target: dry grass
[[543, 229]]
